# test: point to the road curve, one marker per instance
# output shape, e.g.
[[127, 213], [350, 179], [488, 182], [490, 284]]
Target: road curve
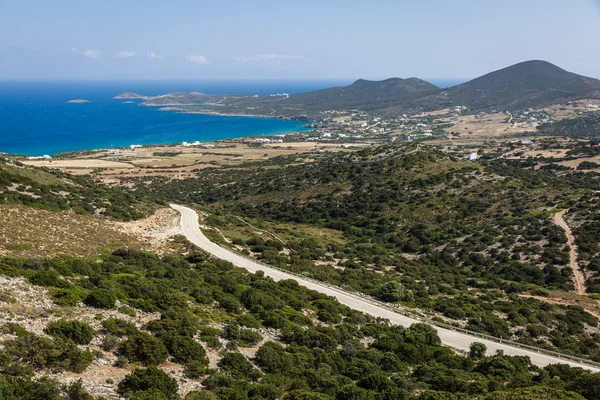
[[191, 230]]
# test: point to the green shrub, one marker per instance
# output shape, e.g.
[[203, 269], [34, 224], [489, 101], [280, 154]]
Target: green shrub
[[150, 394], [100, 298], [47, 278], [201, 395], [244, 337], [185, 349], [238, 366], [78, 332], [145, 348], [76, 391], [127, 311], [119, 327], [146, 379], [41, 352], [65, 297]]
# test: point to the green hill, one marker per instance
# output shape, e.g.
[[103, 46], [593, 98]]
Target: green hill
[[528, 84], [444, 232], [52, 190]]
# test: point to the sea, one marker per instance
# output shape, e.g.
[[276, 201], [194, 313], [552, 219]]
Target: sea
[[35, 118]]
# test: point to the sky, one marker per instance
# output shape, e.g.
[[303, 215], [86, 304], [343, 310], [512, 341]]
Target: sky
[[284, 39]]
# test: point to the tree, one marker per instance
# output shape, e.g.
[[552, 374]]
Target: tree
[[392, 291], [145, 379], [477, 350], [100, 298], [144, 348]]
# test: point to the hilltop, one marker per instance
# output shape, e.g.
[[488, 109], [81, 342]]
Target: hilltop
[[529, 84], [521, 86]]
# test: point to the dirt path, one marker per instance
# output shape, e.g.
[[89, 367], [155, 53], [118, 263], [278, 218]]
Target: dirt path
[[559, 220], [587, 306]]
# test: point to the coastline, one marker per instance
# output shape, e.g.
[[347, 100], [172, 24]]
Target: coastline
[[216, 113]]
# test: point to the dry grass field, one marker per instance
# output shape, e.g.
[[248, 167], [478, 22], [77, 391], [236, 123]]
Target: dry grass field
[[30, 232], [175, 162]]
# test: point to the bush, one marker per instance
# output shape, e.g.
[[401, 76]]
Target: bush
[[477, 350], [127, 311], [185, 349], [150, 394], [119, 327], [239, 367], [41, 352], [47, 278], [76, 391], [145, 348], [65, 297], [147, 379], [244, 337], [201, 395], [78, 332], [100, 298]]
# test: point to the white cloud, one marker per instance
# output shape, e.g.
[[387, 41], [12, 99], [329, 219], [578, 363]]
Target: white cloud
[[92, 53], [125, 54], [268, 57], [155, 56], [74, 50], [197, 58]]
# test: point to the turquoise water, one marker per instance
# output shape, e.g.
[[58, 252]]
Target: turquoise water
[[35, 118]]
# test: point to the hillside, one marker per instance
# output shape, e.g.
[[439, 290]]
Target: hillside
[[46, 213], [362, 94], [52, 190], [521, 86], [463, 242], [416, 226], [133, 325], [585, 126]]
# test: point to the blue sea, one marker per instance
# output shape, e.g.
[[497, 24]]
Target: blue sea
[[35, 118]]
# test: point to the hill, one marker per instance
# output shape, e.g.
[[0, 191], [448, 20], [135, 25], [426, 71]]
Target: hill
[[528, 84], [438, 231], [177, 98], [464, 242], [52, 190], [362, 94]]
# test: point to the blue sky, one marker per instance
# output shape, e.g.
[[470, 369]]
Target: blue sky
[[159, 39]]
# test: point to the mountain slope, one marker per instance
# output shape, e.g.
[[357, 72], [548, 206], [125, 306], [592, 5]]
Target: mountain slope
[[528, 84], [363, 94]]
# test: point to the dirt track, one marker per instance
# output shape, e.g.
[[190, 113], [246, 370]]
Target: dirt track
[[559, 220]]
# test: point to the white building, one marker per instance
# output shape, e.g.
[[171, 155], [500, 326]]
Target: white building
[[473, 156], [44, 157]]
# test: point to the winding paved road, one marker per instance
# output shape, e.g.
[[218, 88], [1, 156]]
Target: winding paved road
[[190, 228]]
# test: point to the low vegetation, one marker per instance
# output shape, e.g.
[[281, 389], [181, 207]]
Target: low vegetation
[[319, 349]]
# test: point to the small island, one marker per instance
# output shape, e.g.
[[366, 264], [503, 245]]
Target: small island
[[78, 101], [130, 95]]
